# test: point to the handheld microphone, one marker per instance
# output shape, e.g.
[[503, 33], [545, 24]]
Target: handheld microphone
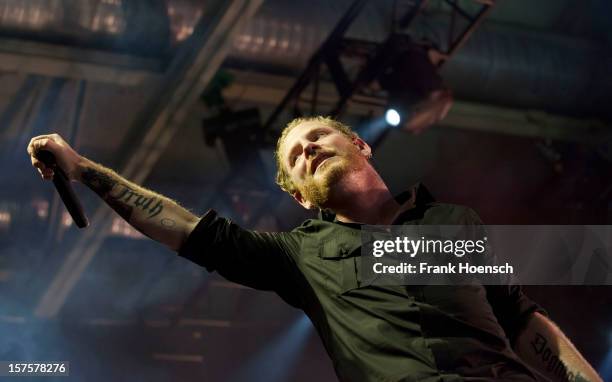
[[64, 189]]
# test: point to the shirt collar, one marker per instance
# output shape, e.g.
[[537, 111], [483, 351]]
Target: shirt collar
[[422, 197]]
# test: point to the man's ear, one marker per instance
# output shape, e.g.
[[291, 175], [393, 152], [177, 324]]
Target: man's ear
[[364, 148], [301, 200]]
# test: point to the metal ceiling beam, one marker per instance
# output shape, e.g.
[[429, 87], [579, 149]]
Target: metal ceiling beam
[[51, 60], [251, 87], [331, 52], [525, 123], [456, 42], [326, 50], [187, 77]]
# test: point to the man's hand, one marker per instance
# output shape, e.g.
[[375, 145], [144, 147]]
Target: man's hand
[[67, 158], [156, 216]]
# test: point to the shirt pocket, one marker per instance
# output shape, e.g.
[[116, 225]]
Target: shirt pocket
[[339, 257]]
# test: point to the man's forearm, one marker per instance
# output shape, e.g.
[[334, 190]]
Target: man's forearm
[[544, 347], [154, 215]]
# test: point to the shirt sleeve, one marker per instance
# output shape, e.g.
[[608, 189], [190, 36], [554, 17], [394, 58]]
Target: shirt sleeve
[[511, 306], [260, 260]]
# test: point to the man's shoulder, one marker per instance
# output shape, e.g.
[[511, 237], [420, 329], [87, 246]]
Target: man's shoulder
[[448, 213], [312, 226]]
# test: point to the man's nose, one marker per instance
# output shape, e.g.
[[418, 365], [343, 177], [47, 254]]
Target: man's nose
[[310, 149]]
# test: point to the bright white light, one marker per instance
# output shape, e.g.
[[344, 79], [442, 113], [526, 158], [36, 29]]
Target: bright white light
[[392, 117]]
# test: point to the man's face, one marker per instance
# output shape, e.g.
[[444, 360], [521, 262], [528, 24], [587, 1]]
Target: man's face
[[316, 156]]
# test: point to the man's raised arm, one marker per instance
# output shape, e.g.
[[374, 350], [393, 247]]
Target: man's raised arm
[[156, 216], [545, 348]]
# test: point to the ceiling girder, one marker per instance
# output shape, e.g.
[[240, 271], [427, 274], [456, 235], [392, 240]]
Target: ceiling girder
[[51, 60], [335, 46], [250, 87], [188, 75]]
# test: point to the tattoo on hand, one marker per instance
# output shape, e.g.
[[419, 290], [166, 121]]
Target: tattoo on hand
[[554, 365]]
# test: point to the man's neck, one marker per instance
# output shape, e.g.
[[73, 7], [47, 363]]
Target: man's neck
[[363, 197]]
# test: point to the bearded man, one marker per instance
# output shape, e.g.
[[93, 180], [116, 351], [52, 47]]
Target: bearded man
[[372, 333]]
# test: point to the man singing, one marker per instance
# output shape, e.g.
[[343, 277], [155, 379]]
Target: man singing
[[372, 333]]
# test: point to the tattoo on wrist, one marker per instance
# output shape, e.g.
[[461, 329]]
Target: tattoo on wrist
[[550, 359]]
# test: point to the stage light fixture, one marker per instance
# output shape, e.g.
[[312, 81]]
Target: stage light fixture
[[393, 117], [415, 88]]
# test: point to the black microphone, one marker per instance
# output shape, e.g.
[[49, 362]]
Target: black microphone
[[64, 189]]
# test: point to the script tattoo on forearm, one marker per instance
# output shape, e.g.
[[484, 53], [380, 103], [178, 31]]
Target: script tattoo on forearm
[[551, 360], [151, 205], [125, 199]]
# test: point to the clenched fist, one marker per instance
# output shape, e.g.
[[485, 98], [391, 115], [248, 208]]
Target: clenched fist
[[67, 159]]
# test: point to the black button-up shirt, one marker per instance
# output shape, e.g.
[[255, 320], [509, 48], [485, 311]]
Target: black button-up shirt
[[374, 333]]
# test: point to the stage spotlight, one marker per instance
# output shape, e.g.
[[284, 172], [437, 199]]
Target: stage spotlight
[[413, 83], [393, 117]]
